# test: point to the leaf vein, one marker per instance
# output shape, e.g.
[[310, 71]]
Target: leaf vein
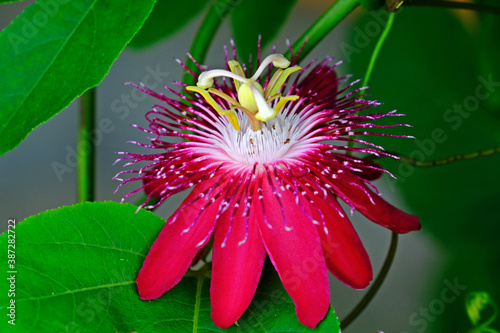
[[42, 75]]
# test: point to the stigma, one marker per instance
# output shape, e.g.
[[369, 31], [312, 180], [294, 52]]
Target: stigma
[[257, 103]]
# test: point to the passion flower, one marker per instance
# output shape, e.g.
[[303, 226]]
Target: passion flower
[[266, 158]]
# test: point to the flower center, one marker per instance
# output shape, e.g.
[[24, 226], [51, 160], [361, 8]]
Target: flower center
[[253, 100], [274, 141]]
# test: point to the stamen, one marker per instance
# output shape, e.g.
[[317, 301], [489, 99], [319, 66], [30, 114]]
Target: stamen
[[224, 96], [233, 119], [236, 68], [272, 82], [285, 100], [282, 78]]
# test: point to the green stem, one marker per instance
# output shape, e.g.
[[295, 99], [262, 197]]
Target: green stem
[[215, 15], [428, 164], [86, 147], [378, 47], [454, 5], [333, 15], [373, 59], [375, 286]]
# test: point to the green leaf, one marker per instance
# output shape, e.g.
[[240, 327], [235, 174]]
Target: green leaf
[[166, 18], [53, 52], [75, 272], [249, 19]]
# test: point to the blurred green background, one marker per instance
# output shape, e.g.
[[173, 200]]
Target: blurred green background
[[441, 68]]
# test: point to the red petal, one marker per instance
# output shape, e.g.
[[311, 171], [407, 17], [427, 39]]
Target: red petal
[[296, 254], [345, 255], [174, 249], [373, 206], [236, 266]]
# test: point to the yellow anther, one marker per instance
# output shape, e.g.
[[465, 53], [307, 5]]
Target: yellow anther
[[206, 96], [233, 119], [285, 100], [224, 96], [272, 82], [236, 68], [282, 78]]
